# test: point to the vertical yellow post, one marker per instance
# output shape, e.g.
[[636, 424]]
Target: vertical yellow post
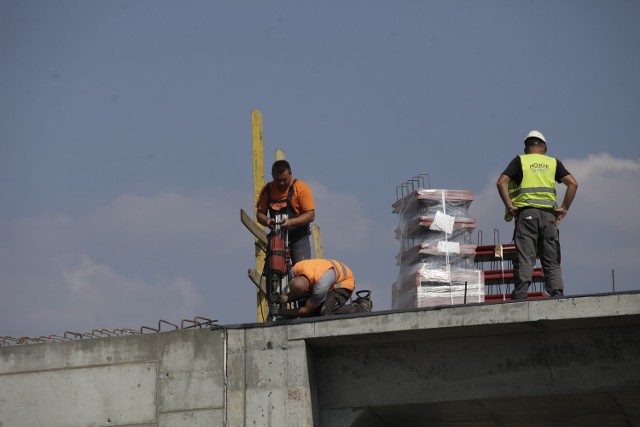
[[258, 183], [317, 242]]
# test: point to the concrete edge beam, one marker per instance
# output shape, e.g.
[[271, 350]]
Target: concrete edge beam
[[509, 313]]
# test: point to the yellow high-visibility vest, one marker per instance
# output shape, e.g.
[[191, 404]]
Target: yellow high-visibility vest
[[538, 186]]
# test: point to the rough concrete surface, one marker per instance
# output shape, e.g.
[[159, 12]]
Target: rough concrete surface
[[569, 361]]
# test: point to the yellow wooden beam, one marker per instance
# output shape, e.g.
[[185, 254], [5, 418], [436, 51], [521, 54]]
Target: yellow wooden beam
[[258, 183], [317, 241], [256, 229]]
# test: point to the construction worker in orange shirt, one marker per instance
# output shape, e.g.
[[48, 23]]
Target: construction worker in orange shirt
[[327, 286], [290, 196]]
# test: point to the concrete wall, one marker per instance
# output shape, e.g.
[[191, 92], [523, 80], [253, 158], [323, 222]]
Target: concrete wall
[[268, 378], [166, 379], [473, 369], [460, 362]]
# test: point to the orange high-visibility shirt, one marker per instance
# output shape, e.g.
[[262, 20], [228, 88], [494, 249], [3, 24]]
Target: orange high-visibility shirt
[[313, 269], [301, 202]]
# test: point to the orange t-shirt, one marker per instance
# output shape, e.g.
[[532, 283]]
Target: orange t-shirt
[[302, 200], [313, 269]]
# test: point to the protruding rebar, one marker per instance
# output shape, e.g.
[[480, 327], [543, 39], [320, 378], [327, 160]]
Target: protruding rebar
[[197, 321], [613, 280]]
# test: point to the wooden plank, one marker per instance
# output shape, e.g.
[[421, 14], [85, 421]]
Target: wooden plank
[[258, 280], [258, 182], [317, 241], [254, 228]]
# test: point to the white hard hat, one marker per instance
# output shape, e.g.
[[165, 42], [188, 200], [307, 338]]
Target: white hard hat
[[535, 134]]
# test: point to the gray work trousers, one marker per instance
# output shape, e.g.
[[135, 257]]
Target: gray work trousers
[[536, 235], [336, 303], [300, 249]]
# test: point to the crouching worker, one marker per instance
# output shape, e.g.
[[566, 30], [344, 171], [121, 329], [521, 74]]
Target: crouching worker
[[326, 284]]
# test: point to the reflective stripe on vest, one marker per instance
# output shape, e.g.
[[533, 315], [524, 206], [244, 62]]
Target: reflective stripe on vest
[[341, 274], [538, 186]]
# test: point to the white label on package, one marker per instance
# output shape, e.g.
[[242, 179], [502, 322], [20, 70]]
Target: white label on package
[[449, 247], [443, 222]]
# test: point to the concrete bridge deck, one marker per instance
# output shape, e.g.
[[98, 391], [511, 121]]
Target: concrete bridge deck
[[573, 361]]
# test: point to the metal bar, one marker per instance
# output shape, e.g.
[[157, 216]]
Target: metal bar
[[613, 280], [75, 334], [142, 328], [193, 322], [409, 184], [196, 322], [125, 331], [207, 322], [413, 181], [6, 340], [465, 292], [168, 323], [428, 179]]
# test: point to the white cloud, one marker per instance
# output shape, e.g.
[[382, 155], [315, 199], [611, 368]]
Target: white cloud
[[341, 217], [128, 263], [597, 165], [106, 292], [608, 196], [167, 217]]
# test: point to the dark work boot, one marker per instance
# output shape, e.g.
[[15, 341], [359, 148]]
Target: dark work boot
[[363, 300], [364, 307], [362, 296], [515, 297]]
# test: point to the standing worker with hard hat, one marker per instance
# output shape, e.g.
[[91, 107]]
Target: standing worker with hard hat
[[527, 188]]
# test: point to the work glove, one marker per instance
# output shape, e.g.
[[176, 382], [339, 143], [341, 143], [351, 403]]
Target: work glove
[[275, 298], [274, 311]]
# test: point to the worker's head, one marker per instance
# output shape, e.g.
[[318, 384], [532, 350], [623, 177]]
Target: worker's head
[[535, 143], [299, 286], [281, 174]]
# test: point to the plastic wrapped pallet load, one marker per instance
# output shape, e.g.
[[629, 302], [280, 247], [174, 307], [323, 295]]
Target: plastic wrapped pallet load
[[423, 286], [436, 257]]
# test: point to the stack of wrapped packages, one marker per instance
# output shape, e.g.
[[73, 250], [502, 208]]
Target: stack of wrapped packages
[[436, 256]]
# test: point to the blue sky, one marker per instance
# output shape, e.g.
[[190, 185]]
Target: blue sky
[[125, 140]]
